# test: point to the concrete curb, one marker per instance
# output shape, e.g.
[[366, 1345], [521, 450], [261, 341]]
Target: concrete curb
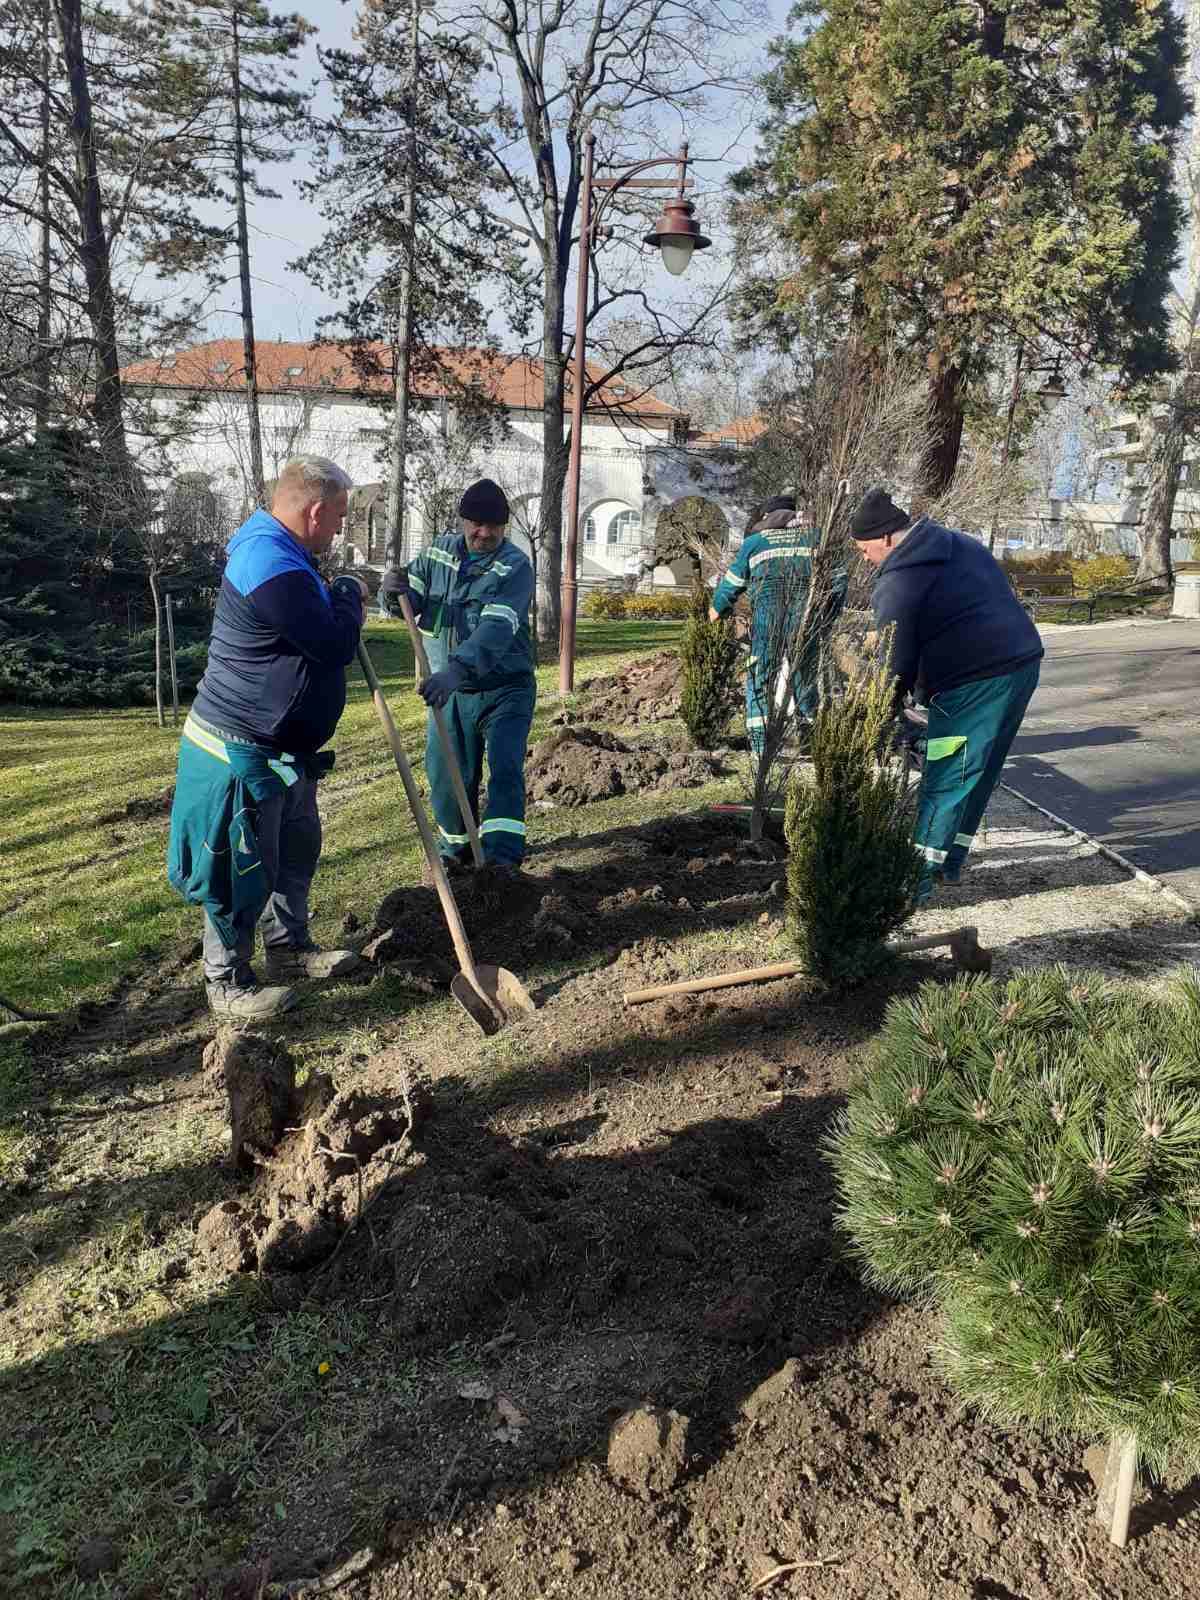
[[1123, 862]]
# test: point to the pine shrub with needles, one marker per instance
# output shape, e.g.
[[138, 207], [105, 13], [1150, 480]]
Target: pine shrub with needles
[[1026, 1155]]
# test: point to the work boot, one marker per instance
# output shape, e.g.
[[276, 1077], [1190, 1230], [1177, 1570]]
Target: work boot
[[248, 1002], [288, 963]]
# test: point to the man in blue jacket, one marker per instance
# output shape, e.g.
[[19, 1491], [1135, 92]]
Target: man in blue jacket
[[245, 831], [470, 592], [962, 639], [774, 567]]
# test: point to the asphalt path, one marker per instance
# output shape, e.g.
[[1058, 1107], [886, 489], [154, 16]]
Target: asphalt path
[[1111, 742]]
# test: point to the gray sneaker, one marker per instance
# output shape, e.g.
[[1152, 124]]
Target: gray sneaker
[[287, 963], [239, 1002]]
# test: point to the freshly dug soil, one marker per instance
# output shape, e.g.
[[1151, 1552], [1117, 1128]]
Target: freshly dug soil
[[647, 691], [659, 880], [314, 1180], [574, 766]]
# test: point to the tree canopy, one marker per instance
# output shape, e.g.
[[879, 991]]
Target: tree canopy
[[961, 176]]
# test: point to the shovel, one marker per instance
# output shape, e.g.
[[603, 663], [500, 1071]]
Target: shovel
[[439, 722], [491, 996]]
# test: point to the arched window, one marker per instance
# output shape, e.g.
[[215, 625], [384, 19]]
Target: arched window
[[624, 528]]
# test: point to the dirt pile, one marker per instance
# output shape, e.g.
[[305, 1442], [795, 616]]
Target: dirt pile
[[314, 1180], [647, 691], [574, 766]]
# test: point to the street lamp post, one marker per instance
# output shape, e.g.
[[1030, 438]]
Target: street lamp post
[[678, 236], [1051, 392]]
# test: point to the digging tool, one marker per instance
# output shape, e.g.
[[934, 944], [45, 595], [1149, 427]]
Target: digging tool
[[491, 996], [443, 733], [965, 949]]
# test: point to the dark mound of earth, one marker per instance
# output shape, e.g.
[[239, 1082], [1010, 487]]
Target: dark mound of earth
[[574, 766]]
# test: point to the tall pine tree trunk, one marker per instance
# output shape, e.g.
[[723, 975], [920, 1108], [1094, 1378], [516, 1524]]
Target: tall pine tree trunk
[[94, 253], [249, 350], [42, 401], [402, 348], [946, 405]]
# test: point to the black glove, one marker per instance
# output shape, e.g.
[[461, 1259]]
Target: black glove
[[395, 582], [437, 690]]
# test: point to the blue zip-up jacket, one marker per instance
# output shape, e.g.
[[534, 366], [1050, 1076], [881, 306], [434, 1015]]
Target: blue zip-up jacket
[[281, 643], [954, 614], [475, 612]]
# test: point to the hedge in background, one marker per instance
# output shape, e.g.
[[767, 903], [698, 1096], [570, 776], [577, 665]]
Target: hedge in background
[[1027, 1155], [614, 605]]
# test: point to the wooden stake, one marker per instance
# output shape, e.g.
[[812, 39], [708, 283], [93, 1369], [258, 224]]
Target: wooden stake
[[1116, 1491]]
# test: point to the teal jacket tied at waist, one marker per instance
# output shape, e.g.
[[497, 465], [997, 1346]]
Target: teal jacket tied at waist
[[475, 610], [212, 857]]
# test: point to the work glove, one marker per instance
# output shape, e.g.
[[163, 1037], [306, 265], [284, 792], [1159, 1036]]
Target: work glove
[[435, 691], [347, 583], [395, 582]]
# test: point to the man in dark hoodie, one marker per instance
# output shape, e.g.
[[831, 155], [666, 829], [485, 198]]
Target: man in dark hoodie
[[245, 831], [959, 636]]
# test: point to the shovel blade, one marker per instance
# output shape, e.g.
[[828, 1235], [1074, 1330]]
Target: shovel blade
[[507, 998]]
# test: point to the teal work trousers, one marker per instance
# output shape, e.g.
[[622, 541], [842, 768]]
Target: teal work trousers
[[971, 730], [494, 724]]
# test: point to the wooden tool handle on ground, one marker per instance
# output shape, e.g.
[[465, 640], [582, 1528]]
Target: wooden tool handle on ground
[[959, 939], [443, 733], [727, 980], [440, 882]]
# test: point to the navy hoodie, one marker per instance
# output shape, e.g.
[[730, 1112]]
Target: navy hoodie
[[955, 616], [281, 643]]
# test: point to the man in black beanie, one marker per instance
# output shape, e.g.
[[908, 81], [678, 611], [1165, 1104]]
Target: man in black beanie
[[470, 592], [960, 636]]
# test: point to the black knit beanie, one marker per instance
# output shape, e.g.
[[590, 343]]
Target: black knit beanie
[[877, 516], [484, 501], [781, 502]]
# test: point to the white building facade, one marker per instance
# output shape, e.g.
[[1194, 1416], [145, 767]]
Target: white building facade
[[635, 460]]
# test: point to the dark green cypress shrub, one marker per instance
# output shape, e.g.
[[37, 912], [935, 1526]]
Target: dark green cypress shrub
[[711, 664], [852, 867]]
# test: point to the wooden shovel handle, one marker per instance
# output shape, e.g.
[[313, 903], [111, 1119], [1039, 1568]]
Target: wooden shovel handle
[[440, 882], [448, 753]]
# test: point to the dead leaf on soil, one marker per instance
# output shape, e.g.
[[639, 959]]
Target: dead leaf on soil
[[512, 1416], [476, 1390]]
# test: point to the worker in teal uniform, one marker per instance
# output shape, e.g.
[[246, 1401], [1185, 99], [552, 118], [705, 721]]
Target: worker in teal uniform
[[962, 639], [774, 567], [470, 592]]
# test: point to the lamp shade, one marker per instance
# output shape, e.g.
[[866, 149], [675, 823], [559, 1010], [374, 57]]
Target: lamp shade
[[677, 234], [1052, 392]]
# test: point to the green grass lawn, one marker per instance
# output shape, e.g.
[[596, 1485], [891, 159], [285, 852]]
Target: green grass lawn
[[83, 889]]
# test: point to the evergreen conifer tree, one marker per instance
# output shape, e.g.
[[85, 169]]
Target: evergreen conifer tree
[[1026, 1155], [960, 177], [710, 660], [852, 866]]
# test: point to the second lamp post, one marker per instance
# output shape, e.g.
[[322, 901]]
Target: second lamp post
[[678, 236]]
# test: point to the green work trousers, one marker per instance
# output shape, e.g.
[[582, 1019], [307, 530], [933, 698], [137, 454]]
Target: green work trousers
[[971, 730], [496, 723]]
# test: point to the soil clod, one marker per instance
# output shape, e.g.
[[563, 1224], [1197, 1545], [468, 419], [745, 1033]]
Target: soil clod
[[648, 1450]]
